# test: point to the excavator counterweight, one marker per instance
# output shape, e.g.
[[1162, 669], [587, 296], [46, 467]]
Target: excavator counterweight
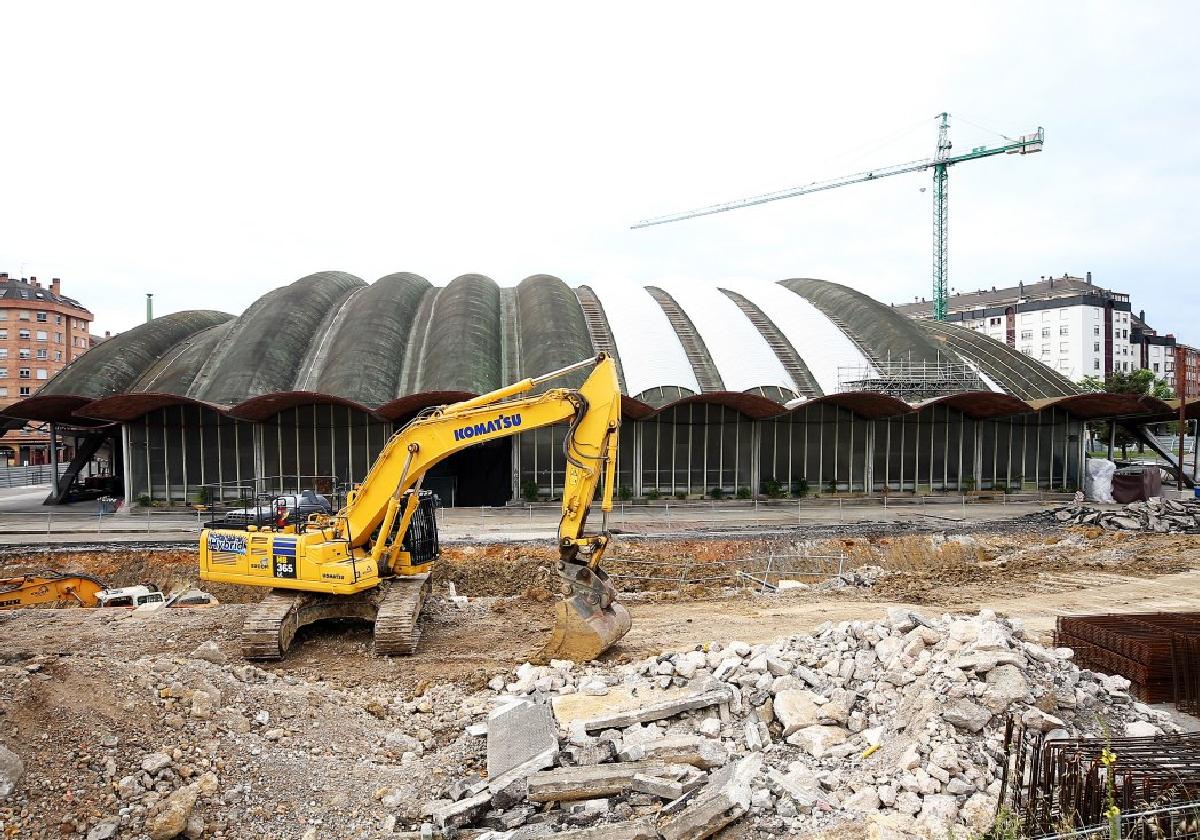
[[373, 559]]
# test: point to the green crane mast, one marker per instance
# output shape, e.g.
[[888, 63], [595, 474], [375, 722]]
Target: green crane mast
[[940, 164]]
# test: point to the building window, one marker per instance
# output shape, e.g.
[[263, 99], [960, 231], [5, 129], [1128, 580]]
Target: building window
[[1125, 334], [23, 335], [24, 315], [41, 335], [1064, 346], [41, 316], [23, 373], [1027, 350], [1064, 330], [1095, 364], [58, 355], [1096, 330], [41, 353], [23, 353], [1045, 349], [3, 334], [1156, 367], [3, 373], [1045, 332], [57, 319], [3, 352], [3, 391], [23, 391], [1096, 346], [1062, 314], [1026, 317], [41, 373]]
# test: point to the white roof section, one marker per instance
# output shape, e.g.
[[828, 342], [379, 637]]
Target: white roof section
[[741, 354], [987, 380], [819, 342], [651, 355]]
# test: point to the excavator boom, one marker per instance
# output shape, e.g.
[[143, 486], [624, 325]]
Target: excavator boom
[[49, 587], [373, 558]]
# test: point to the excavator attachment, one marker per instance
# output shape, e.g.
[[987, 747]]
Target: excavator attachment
[[588, 620], [50, 588]]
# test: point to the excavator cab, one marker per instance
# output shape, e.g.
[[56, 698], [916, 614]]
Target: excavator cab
[[421, 539]]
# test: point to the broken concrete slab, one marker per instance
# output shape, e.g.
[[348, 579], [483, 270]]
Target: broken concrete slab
[[521, 739], [624, 706], [568, 784], [706, 811], [457, 814], [695, 750], [657, 786], [633, 830]]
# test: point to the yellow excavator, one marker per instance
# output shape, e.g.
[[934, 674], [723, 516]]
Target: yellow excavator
[[372, 559], [50, 588]]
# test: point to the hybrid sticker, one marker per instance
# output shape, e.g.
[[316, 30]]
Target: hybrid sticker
[[226, 544], [503, 421]]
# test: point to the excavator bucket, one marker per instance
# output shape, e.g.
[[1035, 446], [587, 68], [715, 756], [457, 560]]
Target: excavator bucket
[[588, 621]]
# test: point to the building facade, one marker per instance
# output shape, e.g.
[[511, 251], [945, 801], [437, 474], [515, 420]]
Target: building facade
[[1067, 323], [41, 332]]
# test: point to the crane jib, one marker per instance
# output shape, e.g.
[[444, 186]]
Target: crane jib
[[473, 430]]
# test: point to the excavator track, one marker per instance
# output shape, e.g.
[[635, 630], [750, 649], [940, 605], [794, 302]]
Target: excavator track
[[397, 630], [268, 630]]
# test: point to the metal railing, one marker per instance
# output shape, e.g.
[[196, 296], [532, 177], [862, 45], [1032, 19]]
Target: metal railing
[[58, 521], [28, 476]]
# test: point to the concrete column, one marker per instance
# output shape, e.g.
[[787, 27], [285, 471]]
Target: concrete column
[[637, 458], [54, 461], [755, 457], [515, 453], [127, 464]]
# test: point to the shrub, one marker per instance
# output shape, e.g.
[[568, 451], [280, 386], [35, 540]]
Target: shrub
[[144, 500], [653, 495], [716, 493], [624, 494], [799, 488], [743, 492], [681, 496], [772, 489], [529, 490]]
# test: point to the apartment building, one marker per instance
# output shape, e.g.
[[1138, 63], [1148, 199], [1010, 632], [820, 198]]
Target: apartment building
[[1067, 323], [41, 332]]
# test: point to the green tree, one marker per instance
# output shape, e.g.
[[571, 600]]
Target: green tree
[[1141, 382]]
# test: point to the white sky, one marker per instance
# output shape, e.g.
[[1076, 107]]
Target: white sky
[[211, 152]]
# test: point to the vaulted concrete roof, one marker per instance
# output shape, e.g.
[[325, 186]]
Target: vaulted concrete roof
[[402, 343]]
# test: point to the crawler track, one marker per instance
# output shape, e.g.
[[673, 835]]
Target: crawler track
[[394, 608], [397, 630]]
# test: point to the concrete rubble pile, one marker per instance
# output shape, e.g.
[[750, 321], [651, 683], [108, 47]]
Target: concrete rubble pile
[[896, 723], [1157, 515]]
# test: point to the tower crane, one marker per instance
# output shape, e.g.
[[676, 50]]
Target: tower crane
[[940, 163]]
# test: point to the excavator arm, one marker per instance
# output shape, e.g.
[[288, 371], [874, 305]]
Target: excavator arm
[[588, 619], [49, 587]]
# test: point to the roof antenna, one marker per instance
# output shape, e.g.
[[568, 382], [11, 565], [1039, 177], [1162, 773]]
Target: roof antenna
[[149, 307]]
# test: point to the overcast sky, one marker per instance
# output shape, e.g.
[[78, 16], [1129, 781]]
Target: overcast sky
[[211, 155]]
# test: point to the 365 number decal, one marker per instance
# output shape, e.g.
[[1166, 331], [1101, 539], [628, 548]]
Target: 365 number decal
[[285, 567]]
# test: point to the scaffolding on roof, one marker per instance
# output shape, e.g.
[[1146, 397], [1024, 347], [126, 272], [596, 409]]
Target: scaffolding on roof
[[909, 380]]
